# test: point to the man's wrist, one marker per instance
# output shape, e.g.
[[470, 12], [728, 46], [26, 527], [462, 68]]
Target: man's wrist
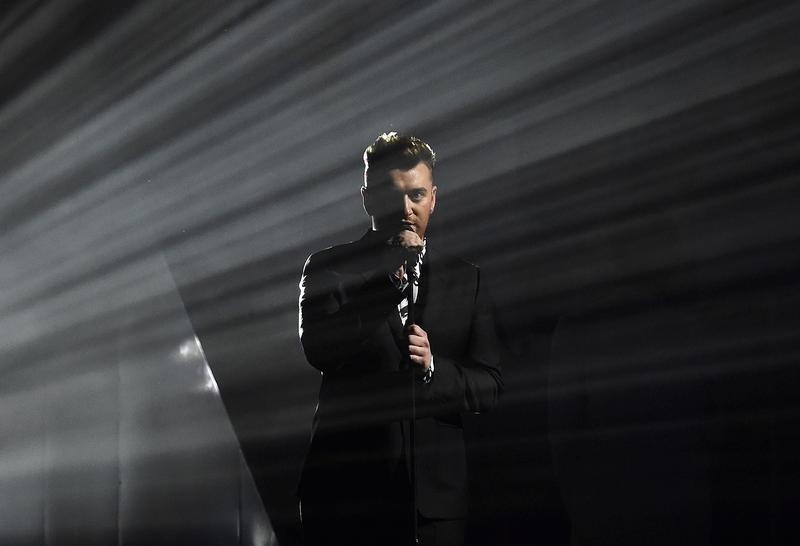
[[427, 377]]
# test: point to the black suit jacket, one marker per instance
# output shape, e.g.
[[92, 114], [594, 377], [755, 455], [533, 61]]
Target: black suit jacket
[[350, 331]]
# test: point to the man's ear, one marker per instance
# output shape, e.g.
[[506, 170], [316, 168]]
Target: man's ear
[[433, 198], [366, 200]]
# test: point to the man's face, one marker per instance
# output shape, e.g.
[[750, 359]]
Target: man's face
[[404, 201]]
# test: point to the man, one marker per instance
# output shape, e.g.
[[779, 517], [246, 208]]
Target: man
[[386, 460]]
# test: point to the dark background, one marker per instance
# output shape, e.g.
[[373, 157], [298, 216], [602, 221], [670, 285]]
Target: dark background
[[624, 172]]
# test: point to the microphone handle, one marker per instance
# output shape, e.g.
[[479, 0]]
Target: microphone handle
[[412, 259], [411, 274]]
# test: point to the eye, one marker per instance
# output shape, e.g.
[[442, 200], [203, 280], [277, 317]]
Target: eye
[[417, 195]]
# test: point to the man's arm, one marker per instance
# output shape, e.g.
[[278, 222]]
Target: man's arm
[[337, 319]]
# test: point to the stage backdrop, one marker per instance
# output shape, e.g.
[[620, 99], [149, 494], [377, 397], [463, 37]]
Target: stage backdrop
[[625, 173]]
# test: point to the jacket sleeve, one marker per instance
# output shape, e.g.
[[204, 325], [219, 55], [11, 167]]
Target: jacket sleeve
[[337, 315], [474, 382]]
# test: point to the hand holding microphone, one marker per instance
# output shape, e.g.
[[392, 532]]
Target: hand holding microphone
[[402, 248], [419, 348], [408, 241]]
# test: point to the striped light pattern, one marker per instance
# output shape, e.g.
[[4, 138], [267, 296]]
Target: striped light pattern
[[623, 162]]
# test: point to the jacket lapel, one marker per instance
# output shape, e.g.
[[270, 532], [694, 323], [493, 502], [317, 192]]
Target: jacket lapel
[[396, 327], [430, 284]]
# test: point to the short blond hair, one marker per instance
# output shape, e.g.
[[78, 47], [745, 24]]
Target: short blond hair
[[395, 151]]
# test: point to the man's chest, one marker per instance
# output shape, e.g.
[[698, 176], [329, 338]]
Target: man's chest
[[444, 309]]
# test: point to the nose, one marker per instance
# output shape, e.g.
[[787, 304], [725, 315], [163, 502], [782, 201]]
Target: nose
[[406, 206]]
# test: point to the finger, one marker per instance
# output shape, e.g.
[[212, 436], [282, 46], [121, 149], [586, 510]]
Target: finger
[[413, 240], [417, 350], [418, 360], [406, 240], [409, 235], [418, 341], [416, 330]]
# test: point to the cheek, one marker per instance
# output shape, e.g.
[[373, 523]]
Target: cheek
[[423, 210]]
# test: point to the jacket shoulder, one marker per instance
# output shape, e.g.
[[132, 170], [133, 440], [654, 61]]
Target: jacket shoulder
[[336, 258], [455, 265]]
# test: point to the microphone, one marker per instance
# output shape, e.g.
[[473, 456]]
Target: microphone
[[411, 262]]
